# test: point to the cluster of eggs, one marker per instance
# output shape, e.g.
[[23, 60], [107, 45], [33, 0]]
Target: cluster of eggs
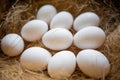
[[62, 64]]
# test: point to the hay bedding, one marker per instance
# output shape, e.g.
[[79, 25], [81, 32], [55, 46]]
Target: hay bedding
[[23, 11]]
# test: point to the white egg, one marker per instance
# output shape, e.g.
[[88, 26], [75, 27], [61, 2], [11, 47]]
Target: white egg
[[34, 30], [86, 19], [57, 39], [89, 38], [35, 58], [62, 65], [93, 63], [12, 44], [62, 19], [46, 13]]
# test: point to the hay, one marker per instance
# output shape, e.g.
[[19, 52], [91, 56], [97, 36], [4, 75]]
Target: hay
[[23, 11]]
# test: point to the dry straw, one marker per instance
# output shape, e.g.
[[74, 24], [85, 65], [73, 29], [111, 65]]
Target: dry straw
[[24, 10]]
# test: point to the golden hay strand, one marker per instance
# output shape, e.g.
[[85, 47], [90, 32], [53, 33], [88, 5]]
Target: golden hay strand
[[23, 11]]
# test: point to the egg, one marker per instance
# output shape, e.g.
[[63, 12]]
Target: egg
[[12, 44], [34, 30], [46, 13], [89, 38], [86, 19], [93, 63], [57, 39], [63, 19], [35, 58], [62, 65]]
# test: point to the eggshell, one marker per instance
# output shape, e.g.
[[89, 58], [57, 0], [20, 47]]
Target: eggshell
[[35, 58], [34, 30], [62, 65], [93, 63], [89, 38], [62, 19], [57, 39], [86, 19], [46, 13], [12, 44]]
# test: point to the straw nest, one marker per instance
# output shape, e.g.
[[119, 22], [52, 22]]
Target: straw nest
[[23, 11]]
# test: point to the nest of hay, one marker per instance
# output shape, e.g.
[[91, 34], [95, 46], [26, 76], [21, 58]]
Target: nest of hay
[[22, 11]]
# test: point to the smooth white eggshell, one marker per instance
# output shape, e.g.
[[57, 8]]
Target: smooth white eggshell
[[34, 30], [86, 19], [46, 13], [35, 58], [57, 39], [62, 65], [89, 38], [12, 44], [93, 63], [62, 19]]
